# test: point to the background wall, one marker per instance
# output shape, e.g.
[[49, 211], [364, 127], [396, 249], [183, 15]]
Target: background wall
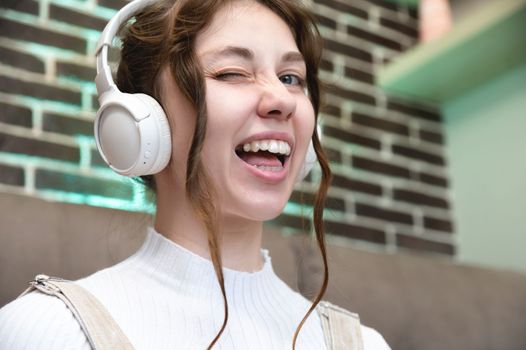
[[486, 143], [390, 190]]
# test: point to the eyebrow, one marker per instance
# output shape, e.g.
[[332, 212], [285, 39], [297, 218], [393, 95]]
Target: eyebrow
[[247, 54], [293, 56]]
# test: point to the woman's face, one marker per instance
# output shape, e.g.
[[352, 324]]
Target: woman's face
[[255, 98]]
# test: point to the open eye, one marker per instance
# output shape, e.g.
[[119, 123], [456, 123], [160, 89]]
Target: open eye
[[291, 79]]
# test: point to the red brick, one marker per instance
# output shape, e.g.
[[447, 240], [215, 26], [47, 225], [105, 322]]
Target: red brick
[[292, 221], [114, 4], [76, 71], [331, 109], [380, 167], [21, 60], [438, 224], [333, 155], [355, 232], [383, 214], [66, 125], [348, 50], [344, 182], [380, 124], [433, 180], [412, 109], [344, 8], [325, 21], [80, 19], [96, 159], [430, 136], [308, 199], [27, 6], [419, 198], [351, 137], [357, 74], [33, 147], [387, 4], [39, 90], [10, 175], [414, 153], [399, 27], [20, 31], [326, 65], [352, 95], [374, 38], [15, 115]]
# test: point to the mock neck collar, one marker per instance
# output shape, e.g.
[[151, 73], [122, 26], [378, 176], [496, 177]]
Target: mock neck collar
[[180, 268]]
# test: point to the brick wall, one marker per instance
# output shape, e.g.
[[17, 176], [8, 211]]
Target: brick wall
[[390, 190]]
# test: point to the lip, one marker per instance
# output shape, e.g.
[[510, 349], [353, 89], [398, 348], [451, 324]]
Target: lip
[[270, 177]]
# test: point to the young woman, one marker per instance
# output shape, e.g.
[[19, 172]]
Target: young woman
[[237, 81]]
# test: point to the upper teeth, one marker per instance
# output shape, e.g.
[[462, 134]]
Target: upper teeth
[[272, 146]]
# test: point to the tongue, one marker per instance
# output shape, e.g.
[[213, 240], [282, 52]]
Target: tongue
[[260, 159]]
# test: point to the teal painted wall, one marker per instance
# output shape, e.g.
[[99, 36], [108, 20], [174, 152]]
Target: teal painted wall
[[486, 136]]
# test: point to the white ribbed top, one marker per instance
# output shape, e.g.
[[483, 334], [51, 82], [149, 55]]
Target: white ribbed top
[[166, 297]]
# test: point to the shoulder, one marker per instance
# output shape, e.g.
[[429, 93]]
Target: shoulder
[[39, 321], [372, 340]]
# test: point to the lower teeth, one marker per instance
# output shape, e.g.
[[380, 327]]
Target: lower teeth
[[268, 168]]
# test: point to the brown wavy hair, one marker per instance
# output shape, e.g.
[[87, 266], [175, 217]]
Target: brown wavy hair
[[163, 34]]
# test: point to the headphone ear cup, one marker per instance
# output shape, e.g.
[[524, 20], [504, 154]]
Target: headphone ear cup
[[133, 134], [163, 137], [308, 163]]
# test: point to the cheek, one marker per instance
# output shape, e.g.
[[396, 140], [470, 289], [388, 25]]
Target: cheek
[[181, 118], [182, 129], [224, 118], [228, 102], [228, 111], [305, 121]]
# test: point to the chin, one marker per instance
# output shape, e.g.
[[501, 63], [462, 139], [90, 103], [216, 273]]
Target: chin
[[248, 197], [264, 209], [268, 215]]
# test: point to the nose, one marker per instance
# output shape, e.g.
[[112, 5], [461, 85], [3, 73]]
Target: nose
[[276, 101]]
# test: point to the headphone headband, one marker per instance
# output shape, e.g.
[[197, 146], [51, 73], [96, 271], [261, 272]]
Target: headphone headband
[[104, 80], [131, 130]]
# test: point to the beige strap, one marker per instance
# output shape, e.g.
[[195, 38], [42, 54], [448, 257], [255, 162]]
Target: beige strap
[[341, 328], [101, 330]]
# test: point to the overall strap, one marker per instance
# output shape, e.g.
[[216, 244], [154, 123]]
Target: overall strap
[[341, 328], [101, 330]]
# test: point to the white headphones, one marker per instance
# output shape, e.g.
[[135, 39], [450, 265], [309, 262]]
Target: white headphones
[[131, 130]]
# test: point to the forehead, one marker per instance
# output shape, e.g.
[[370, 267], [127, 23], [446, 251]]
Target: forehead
[[246, 24]]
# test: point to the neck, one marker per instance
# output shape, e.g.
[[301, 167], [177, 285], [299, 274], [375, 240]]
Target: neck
[[241, 244], [239, 239]]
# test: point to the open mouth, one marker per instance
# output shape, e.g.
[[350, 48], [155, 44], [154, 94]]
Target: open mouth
[[269, 155]]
